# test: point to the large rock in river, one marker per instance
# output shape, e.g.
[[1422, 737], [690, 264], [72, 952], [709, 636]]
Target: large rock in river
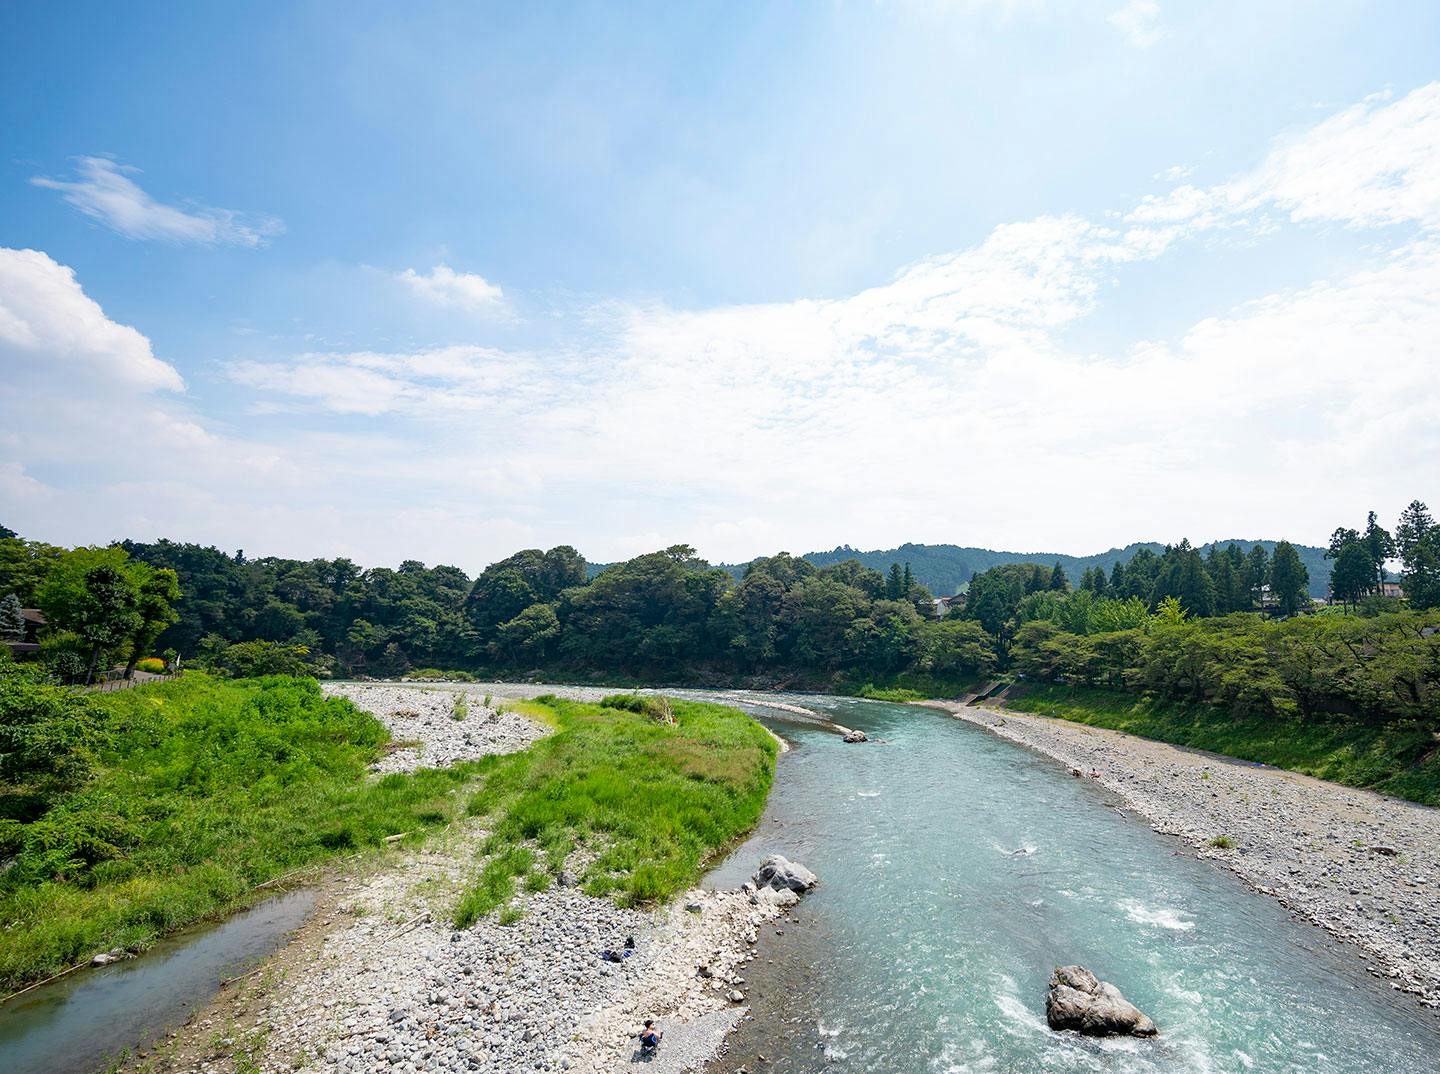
[[782, 874], [1079, 1000]]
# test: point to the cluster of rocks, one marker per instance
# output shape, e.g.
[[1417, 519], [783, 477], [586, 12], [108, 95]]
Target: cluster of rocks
[[1364, 867], [1080, 1001], [428, 717], [389, 985]]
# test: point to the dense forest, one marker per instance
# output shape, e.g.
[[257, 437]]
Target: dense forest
[[946, 568], [1226, 625]]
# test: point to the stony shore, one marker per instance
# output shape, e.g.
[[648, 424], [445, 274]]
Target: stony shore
[[1362, 866], [433, 728], [379, 980]]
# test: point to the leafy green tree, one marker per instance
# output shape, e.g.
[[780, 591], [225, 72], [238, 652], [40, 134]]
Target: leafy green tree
[[1417, 540], [156, 592], [1059, 580], [1289, 579], [994, 596], [24, 565], [1182, 574], [1353, 574], [528, 636], [956, 647], [251, 659], [91, 592]]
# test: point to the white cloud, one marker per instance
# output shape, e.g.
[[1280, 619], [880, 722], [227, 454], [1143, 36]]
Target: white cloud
[[949, 403], [1137, 22], [1372, 165], [446, 287], [47, 320], [104, 190]]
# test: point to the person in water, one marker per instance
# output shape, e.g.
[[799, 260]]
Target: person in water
[[650, 1036]]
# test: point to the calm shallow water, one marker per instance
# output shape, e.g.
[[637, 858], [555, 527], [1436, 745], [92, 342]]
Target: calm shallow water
[[929, 944], [77, 1024]]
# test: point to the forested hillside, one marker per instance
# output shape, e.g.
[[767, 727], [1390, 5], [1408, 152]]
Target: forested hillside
[[670, 616], [946, 568]]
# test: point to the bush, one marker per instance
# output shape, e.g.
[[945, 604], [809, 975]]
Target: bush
[[253, 659], [153, 664], [657, 708]]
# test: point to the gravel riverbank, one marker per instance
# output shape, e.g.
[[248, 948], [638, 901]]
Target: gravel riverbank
[[434, 728], [1364, 867]]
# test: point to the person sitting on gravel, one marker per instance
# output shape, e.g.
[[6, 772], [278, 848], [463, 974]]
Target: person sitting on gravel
[[650, 1036]]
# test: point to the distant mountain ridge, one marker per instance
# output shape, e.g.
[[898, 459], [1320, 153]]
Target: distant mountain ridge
[[946, 568]]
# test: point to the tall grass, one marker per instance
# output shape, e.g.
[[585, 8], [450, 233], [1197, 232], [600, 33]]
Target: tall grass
[[1402, 760], [200, 789], [649, 802]]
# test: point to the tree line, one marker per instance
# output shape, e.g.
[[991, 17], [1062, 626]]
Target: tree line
[[670, 615]]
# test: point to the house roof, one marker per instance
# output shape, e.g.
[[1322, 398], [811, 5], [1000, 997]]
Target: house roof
[[33, 615]]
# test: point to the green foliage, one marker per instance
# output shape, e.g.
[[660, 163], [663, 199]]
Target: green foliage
[[47, 736], [1417, 541], [149, 808], [252, 659], [1289, 579], [651, 801], [1377, 670], [1396, 758], [24, 565], [152, 664]]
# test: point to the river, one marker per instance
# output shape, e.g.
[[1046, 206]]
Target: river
[[958, 869]]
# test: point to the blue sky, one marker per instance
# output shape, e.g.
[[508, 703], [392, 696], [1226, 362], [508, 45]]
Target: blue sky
[[323, 279]]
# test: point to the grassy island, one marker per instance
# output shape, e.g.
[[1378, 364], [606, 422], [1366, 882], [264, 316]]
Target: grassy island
[[125, 816]]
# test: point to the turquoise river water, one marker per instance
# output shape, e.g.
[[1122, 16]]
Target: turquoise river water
[[958, 869]]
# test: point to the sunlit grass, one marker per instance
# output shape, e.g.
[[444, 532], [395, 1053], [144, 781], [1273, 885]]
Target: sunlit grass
[[202, 789], [1400, 760], [650, 802]]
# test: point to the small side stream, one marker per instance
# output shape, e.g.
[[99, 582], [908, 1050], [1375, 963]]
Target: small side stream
[[80, 1023]]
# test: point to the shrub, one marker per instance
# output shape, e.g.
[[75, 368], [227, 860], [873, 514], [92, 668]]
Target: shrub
[[152, 664], [657, 708]]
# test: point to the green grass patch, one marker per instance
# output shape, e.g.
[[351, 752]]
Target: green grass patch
[[906, 686], [889, 693], [651, 801], [195, 791], [461, 709], [1399, 760]]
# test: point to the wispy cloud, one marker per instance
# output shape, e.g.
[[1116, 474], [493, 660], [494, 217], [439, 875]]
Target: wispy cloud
[[893, 410], [1137, 21], [103, 190], [444, 286]]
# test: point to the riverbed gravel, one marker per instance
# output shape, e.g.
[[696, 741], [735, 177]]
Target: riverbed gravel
[[429, 729], [1362, 866]]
